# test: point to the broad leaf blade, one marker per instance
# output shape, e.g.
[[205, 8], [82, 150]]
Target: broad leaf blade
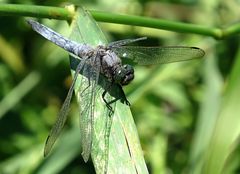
[[224, 140], [125, 153]]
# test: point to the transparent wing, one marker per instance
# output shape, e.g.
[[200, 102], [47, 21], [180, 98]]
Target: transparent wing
[[108, 124], [62, 116], [87, 93], [125, 42], [158, 55]]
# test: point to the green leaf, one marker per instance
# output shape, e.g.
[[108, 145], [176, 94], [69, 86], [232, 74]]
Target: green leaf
[[208, 113], [125, 153], [217, 134], [225, 137]]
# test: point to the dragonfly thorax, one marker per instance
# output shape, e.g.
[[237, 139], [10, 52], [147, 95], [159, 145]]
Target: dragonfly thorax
[[112, 68]]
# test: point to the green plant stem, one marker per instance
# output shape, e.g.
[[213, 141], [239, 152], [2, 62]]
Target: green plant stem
[[66, 14], [155, 23], [35, 11]]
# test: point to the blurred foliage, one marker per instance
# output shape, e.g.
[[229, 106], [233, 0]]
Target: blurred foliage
[[185, 113]]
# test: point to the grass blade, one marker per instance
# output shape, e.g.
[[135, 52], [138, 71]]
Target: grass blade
[[125, 153]]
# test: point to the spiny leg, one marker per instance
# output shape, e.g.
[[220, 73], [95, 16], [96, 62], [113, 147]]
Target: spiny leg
[[108, 104], [124, 97]]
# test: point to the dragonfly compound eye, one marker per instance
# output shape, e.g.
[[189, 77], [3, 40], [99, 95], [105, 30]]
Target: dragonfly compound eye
[[124, 75]]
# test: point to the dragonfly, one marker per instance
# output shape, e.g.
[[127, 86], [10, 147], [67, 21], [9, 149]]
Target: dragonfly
[[105, 60]]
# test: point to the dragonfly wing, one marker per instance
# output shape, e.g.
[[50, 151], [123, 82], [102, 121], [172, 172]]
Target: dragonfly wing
[[62, 116], [87, 94], [125, 42], [158, 55]]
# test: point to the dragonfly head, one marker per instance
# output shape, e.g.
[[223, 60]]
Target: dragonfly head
[[124, 74]]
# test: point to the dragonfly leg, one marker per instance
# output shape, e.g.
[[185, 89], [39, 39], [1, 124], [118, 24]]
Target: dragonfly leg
[[108, 104], [124, 98]]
